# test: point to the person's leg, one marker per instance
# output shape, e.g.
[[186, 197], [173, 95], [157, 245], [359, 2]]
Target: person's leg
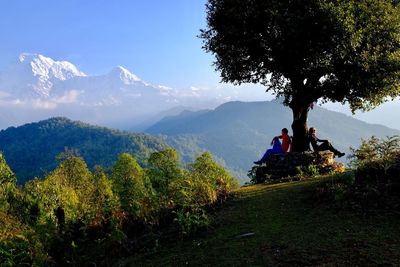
[[264, 157], [328, 146]]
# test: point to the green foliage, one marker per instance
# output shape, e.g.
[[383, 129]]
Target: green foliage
[[354, 45], [206, 169], [164, 167], [7, 183], [191, 221], [19, 244], [312, 170], [375, 182], [381, 152], [104, 200], [69, 187], [76, 216], [127, 178]]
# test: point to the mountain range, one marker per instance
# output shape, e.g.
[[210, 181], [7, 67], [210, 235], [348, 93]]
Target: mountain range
[[36, 87], [238, 133]]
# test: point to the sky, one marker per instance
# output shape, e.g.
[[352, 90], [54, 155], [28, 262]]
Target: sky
[[155, 39]]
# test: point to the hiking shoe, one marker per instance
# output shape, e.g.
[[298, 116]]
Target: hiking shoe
[[340, 154], [258, 162]]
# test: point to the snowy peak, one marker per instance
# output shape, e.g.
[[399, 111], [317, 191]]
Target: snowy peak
[[34, 75], [124, 75], [48, 68]]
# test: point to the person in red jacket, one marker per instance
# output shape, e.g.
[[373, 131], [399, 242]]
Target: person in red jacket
[[286, 140], [278, 147]]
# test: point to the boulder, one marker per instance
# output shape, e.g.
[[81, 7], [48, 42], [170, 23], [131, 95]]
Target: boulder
[[296, 163]]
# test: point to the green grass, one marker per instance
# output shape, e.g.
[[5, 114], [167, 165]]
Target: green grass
[[291, 228]]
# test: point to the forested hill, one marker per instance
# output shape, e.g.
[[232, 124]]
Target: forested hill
[[239, 132], [31, 149]]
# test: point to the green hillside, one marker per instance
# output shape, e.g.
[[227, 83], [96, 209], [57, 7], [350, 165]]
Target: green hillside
[[31, 149], [284, 224], [238, 133]]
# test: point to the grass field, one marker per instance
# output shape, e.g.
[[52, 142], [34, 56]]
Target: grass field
[[283, 225]]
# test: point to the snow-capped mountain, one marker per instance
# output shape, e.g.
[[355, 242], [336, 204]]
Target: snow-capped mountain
[[36, 87], [36, 84], [35, 75], [40, 78]]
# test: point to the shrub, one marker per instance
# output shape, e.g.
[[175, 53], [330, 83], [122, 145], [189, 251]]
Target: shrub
[[192, 220], [381, 152], [375, 183], [206, 170], [312, 170]]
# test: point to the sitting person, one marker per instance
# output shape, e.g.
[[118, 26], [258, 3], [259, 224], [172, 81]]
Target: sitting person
[[326, 145], [286, 141], [276, 149]]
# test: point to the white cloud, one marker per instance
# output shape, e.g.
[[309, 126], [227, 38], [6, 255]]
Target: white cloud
[[4, 94], [68, 97]]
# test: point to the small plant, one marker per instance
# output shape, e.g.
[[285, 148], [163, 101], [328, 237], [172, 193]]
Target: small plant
[[312, 170], [192, 221]]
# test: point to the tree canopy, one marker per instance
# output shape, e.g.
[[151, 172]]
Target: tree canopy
[[304, 51]]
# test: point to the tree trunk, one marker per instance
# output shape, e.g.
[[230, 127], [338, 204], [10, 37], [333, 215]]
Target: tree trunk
[[300, 141]]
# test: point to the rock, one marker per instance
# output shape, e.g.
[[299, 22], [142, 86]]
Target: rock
[[296, 163]]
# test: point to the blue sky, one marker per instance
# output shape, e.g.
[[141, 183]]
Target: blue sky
[[155, 39]]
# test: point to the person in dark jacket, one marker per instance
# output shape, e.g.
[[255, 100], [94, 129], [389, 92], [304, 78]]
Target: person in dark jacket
[[325, 144], [276, 149]]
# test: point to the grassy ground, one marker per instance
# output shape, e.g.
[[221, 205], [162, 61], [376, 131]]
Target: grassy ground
[[286, 226]]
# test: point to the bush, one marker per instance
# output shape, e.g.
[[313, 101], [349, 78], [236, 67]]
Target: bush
[[375, 182], [312, 170]]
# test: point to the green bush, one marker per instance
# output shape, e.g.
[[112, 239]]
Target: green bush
[[192, 220], [375, 182], [312, 170], [380, 152]]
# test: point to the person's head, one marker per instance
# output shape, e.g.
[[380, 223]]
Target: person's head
[[285, 131], [311, 131]]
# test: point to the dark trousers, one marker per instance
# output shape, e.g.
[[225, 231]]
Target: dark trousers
[[328, 146]]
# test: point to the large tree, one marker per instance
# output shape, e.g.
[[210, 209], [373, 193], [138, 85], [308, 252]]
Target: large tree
[[308, 50]]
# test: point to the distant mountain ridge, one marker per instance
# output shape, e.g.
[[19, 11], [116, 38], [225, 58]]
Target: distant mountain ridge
[[31, 149], [239, 132]]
